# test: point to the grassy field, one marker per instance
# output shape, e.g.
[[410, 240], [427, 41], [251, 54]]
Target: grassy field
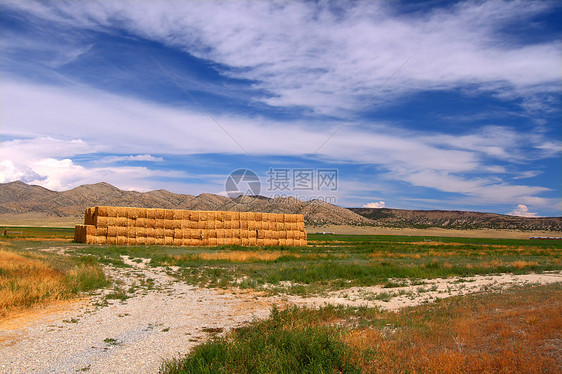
[[29, 277], [333, 262], [513, 332]]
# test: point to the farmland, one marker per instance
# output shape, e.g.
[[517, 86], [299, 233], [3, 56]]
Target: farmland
[[391, 299]]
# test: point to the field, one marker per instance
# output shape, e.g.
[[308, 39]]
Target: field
[[491, 331]]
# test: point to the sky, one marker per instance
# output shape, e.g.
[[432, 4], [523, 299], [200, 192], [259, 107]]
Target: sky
[[409, 105]]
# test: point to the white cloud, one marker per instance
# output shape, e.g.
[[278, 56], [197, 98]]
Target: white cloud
[[522, 211], [380, 204], [144, 158], [313, 55], [103, 123]]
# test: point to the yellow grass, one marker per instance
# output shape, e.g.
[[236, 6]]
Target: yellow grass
[[25, 281]]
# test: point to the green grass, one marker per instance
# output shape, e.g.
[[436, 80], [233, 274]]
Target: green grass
[[338, 261], [508, 332]]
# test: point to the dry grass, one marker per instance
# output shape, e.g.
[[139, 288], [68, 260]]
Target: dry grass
[[25, 281], [517, 332]]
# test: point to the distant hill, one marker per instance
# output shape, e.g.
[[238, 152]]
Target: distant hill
[[18, 198], [457, 219]]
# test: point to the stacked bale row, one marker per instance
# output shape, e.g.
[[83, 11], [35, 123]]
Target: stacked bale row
[[141, 226]]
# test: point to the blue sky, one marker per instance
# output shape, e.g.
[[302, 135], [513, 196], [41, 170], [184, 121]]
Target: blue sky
[[436, 105]]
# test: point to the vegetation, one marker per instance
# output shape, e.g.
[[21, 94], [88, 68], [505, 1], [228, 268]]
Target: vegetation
[[335, 261], [510, 332], [28, 278]]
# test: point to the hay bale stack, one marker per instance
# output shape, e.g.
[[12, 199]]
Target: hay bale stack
[[140, 226]]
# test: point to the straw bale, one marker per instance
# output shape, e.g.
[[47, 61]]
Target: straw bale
[[221, 241], [266, 241], [141, 231], [151, 213], [300, 226], [160, 241], [150, 223], [121, 231], [235, 216], [251, 225], [291, 234], [178, 215], [245, 242], [267, 234], [211, 224], [244, 225], [244, 234], [169, 232], [212, 233], [100, 221], [178, 234], [112, 231], [227, 225], [212, 241], [111, 240], [141, 222], [252, 234], [259, 242], [168, 223], [122, 240], [219, 216], [88, 219], [176, 224], [150, 232], [101, 231], [219, 225], [193, 215], [195, 242], [177, 241], [158, 233], [132, 241], [258, 216], [220, 233], [168, 214], [236, 241], [131, 232], [150, 240], [77, 233], [132, 222], [251, 216], [159, 223], [141, 240], [142, 212], [282, 241], [229, 233], [132, 213], [160, 214], [121, 221], [100, 211], [121, 212], [282, 234]]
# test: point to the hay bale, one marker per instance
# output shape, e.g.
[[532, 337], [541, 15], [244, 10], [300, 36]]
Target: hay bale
[[122, 240], [102, 221], [121, 231], [121, 212], [150, 223], [196, 242], [101, 231], [177, 242], [267, 234], [159, 241], [141, 232], [100, 211], [178, 215], [169, 232], [212, 233], [220, 233], [259, 242], [252, 225], [132, 241], [132, 213], [160, 214], [169, 214], [244, 234], [141, 240], [151, 213], [178, 234], [282, 241], [112, 231], [132, 222], [159, 233], [261, 234], [300, 226], [141, 222], [258, 216], [150, 240], [252, 234], [194, 216], [219, 225], [221, 241], [78, 233], [211, 224], [131, 232], [159, 223], [111, 240], [88, 219], [243, 225], [121, 221], [212, 241], [245, 242]]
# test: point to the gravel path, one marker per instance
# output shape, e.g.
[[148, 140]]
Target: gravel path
[[166, 318], [125, 337]]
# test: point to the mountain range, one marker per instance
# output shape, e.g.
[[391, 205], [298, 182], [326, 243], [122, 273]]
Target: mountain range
[[19, 199]]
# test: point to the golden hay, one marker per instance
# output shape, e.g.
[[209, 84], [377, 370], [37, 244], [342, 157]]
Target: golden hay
[[150, 240], [150, 232], [252, 234], [159, 223], [141, 232], [212, 241], [243, 225], [101, 231], [150, 223], [122, 240], [100, 211], [132, 232], [159, 233], [258, 216], [260, 242], [112, 231], [159, 241], [169, 214], [111, 240], [121, 221], [132, 241], [252, 225], [178, 234], [151, 213], [141, 240], [160, 214], [177, 241]]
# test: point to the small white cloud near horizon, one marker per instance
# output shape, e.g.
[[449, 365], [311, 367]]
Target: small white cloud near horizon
[[380, 204], [522, 211], [145, 158]]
